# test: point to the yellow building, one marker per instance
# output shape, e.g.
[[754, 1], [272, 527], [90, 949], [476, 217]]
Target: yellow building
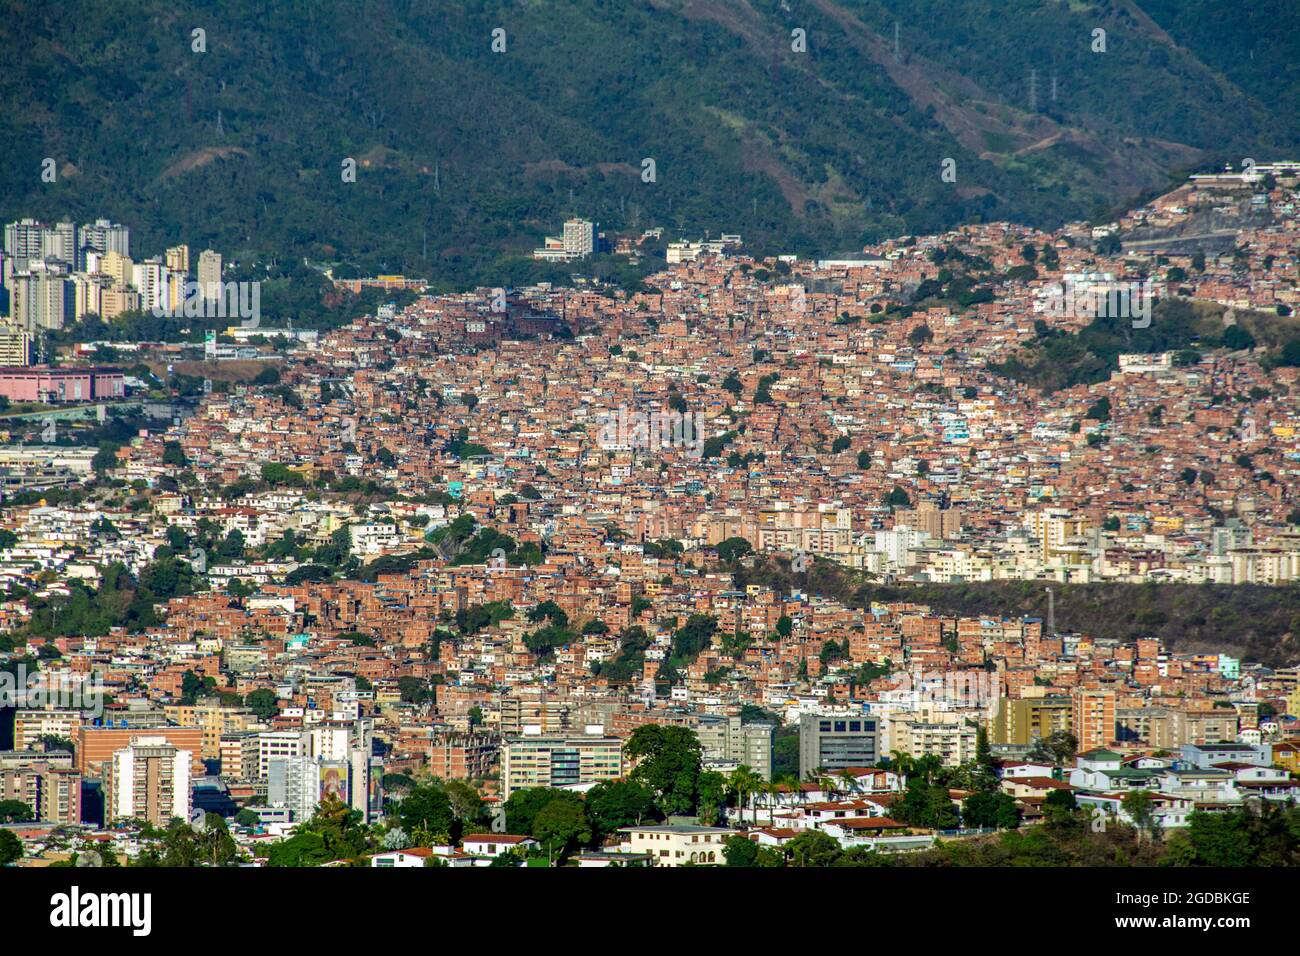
[[946, 735], [214, 720], [177, 258], [15, 347], [119, 267], [1054, 527], [1023, 720], [1287, 756]]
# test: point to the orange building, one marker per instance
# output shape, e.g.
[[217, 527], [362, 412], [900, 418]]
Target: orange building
[[462, 756], [96, 745], [1094, 718]]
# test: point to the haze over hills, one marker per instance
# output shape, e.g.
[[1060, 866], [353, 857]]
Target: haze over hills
[[240, 147]]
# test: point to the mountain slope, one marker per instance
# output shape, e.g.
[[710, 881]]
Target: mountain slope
[[467, 157]]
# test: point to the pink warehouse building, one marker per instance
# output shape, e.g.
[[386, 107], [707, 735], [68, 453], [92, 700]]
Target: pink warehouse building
[[53, 385]]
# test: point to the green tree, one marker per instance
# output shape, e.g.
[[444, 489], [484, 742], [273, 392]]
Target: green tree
[[561, 826], [711, 797], [984, 773], [744, 783], [1140, 806], [927, 805], [550, 611], [215, 847], [1060, 799], [733, 548], [181, 846], [669, 763], [15, 811], [694, 636], [247, 818], [1213, 839], [105, 458], [11, 848], [334, 832], [278, 475], [426, 812], [897, 499], [414, 690], [193, 686], [466, 801], [740, 851], [524, 805], [1058, 748], [174, 455], [1234, 337], [812, 848], [263, 702], [619, 803], [990, 810]]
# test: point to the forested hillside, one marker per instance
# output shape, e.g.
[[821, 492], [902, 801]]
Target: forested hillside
[[467, 156], [1256, 622]]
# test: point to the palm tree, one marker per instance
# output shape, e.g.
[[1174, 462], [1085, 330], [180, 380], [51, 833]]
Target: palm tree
[[796, 787], [744, 783], [770, 790], [829, 784], [761, 790], [850, 781], [901, 763], [731, 791], [817, 775], [928, 766]]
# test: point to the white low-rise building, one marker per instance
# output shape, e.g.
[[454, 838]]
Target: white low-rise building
[[677, 844]]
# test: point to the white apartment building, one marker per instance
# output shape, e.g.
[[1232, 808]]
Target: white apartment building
[[577, 241], [579, 238], [150, 780], [274, 744], [533, 760]]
